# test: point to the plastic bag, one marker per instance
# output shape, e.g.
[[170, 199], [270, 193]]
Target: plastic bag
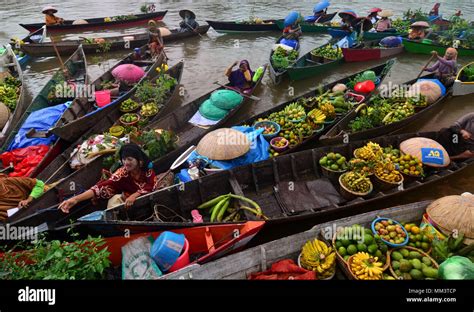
[[457, 268], [137, 262]]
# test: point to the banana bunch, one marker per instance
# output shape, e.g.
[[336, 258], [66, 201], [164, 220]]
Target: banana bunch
[[221, 205], [371, 151], [356, 182], [317, 116], [366, 267], [387, 172], [294, 111], [317, 256], [328, 109], [329, 52]]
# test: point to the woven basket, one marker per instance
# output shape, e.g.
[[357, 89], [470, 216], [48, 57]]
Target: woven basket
[[4, 115], [350, 195], [424, 254]]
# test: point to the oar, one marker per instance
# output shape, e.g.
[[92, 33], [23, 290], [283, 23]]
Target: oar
[[423, 69], [65, 71], [254, 98], [193, 30]]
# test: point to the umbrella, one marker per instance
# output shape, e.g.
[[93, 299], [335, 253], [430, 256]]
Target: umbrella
[[182, 13], [385, 13], [49, 8], [348, 13], [128, 73], [375, 10], [223, 144], [321, 6], [291, 18], [420, 24]]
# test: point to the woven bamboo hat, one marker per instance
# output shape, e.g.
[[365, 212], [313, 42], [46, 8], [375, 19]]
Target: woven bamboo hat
[[4, 115], [385, 13], [414, 148], [454, 213], [223, 144]]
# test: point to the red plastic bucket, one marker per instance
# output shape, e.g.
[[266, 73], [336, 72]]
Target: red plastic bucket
[[102, 98], [183, 259]]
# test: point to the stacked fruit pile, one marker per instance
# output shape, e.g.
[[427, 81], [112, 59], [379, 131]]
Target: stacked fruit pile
[[411, 264], [328, 52], [390, 231], [387, 172], [149, 109], [334, 162], [356, 182], [283, 58], [418, 238], [410, 165], [370, 152], [9, 92], [366, 267], [317, 256]]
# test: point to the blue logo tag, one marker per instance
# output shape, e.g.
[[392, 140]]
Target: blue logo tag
[[433, 156]]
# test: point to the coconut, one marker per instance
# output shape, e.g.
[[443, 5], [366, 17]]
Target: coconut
[[340, 87], [429, 89]]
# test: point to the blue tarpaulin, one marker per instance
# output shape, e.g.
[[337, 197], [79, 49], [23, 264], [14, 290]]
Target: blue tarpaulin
[[41, 120]]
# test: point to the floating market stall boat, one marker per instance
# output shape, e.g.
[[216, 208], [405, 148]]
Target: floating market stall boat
[[100, 23], [237, 27], [382, 34], [11, 83], [426, 46], [311, 27], [280, 61], [369, 50], [464, 83], [36, 37], [107, 44], [181, 122]]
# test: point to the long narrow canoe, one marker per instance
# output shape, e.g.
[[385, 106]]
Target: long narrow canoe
[[77, 69], [14, 70], [289, 189], [341, 131], [82, 115], [277, 74], [309, 66], [238, 27], [36, 37], [100, 122], [310, 27], [461, 85], [115, 43], [382, 34], [99, 23], [177, 121], [368, 51], [260, 258], [422, 47]]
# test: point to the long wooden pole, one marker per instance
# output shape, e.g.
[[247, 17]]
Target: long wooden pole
[[423, 69]]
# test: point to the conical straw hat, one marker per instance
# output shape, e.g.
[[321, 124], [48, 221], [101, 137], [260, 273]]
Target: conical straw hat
[[413, 147], [223, 144], [452, 213], [385, 13], [4, 115]]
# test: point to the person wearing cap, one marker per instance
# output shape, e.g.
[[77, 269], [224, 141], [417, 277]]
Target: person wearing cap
[[155, 40], [445, 68], [384, 23], [458, 140], [373, 15], [189, 21], [50, 18], [241, 78], [135, 178]]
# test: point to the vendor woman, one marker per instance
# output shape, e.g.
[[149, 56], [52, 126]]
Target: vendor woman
[[135, 178], [155, 40], [445, 68], [240, 78], [50, 19], [458, 140]]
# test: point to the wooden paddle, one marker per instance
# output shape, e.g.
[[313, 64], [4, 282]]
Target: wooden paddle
[[194, 30], [423, 69], [65, 71], [254, 98]]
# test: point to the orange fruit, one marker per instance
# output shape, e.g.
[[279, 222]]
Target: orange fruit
[[408, 227], [415, 230]]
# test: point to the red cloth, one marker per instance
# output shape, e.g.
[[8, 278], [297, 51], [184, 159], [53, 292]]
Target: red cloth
[[24, 159], [285, 269]]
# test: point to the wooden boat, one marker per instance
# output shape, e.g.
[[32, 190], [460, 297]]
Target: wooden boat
[[77, 68], [177, 121], [34, 37], [369, 50], [277, 75], [309, 65], [83, 114], [237, 27], [100, 23], [461, 86], [425, 47], [310, 27], [289, 189], [116, 43], [13, 68], [341, 131], [382, 34], [260, 258]]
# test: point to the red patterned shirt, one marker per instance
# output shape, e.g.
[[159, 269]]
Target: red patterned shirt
[[121, 182]]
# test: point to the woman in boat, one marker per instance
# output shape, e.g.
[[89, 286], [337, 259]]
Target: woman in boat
[[135, 178], [418, 30], [435, 10], [155, 40], [445, 68], [347, 17], [18, 192], [292, 32], [189, 21], [241, 78], [373, 15], [320, 10], [385, 23], [458, 140], [50, 18]]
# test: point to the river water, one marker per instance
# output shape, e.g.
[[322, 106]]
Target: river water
[[206, 58]]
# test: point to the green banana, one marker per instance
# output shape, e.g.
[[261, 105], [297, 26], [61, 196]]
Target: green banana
[[217, 208], [251, 202], [212, 202], [223, 209]]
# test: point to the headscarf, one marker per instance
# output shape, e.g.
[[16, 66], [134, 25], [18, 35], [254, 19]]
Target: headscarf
[[134, 151], [454, 52], [237, 77]]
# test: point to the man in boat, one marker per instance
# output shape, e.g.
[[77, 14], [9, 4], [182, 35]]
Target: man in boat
[[458, 140], [241, 78], [18, 192], [385, 23], [445, 68], [155, 40], [373, 15], [50, 18], [189, 21], [135, 178]]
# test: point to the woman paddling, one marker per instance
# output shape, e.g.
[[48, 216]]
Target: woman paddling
[[240, 78], [50, 19], [135, 178], [189, 21], [445, 68]]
